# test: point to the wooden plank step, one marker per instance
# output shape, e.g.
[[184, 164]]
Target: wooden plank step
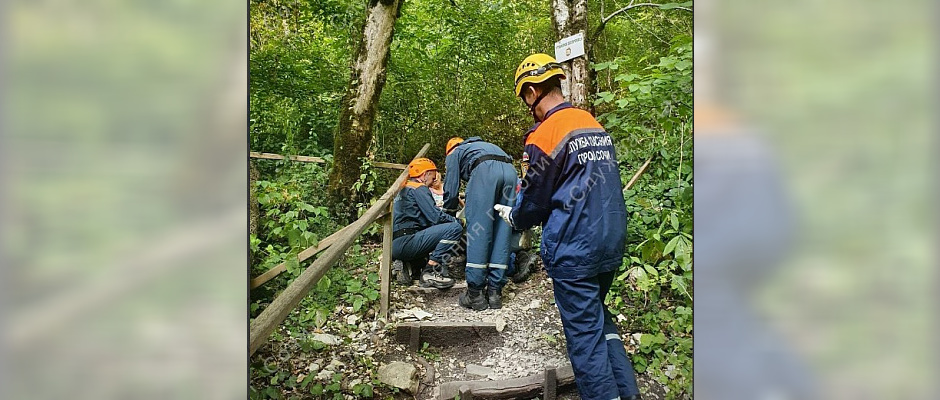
[[529, 386], [443, 333]]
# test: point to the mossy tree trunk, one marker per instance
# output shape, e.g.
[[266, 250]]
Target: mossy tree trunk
[[354, 131]]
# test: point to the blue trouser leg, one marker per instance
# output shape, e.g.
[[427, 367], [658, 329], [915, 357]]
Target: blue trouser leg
[[481, 193], [505, 177], [436, 240], [617, 355], [582, 316], [512, 265], [514, 238]]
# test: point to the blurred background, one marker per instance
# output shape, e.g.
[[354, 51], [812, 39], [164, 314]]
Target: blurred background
[[124, 176], [124, 199], [815, 268]]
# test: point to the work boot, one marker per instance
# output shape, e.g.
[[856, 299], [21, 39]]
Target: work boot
[[436, 277], [494, 297], [402, 275], [473, 299], [524, 263]]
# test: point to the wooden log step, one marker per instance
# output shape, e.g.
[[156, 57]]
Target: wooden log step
[[443, 333], [529, 386]]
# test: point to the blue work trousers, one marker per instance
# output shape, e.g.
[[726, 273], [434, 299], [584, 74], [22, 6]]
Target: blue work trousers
[[601, 368], [492, 182], [436, 240]]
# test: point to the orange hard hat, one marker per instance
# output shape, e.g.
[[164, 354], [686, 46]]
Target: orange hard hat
[[453, 142], [420, 166]]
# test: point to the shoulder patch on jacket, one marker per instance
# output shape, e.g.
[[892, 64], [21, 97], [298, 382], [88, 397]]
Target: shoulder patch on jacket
[[553, 132]]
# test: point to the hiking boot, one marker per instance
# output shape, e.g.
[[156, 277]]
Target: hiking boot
[[473, 299], [402, 276], [494, 297], [524, 263], [436, 277]]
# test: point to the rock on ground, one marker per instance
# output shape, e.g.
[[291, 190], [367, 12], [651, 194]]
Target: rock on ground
[[401, 375]]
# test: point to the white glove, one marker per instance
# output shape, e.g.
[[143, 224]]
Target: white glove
[[504, 212]]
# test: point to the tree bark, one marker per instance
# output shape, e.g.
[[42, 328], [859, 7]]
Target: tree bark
[[354, 132], [253, 207], [569, 17]]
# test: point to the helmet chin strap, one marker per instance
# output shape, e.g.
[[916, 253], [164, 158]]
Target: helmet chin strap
[[535, 104]]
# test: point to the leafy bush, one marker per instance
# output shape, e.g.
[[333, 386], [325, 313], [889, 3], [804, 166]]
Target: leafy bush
[[293, 214], [650, 115]]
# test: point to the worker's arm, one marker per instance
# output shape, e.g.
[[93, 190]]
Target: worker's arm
[[534, 203], [452, 182], [425, 203]]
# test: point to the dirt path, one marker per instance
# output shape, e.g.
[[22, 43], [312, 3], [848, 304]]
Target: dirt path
[[530, 340]]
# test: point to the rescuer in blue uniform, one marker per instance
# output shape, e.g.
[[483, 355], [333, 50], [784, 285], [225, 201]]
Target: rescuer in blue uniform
[[491, 179], [572, 188], [421, 228]]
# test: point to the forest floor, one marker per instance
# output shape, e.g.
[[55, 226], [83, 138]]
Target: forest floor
[[530, 339]]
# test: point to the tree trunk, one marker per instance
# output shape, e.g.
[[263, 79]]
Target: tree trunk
[[354, 132], [254, 211], [568, 18]]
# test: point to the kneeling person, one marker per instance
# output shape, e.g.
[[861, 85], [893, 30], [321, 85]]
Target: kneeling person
[[420, 228]]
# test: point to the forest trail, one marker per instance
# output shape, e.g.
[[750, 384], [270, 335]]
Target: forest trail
[[528, 337]]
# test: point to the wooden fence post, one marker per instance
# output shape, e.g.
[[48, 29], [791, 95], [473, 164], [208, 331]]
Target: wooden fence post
[[550, 388], [385, 276]]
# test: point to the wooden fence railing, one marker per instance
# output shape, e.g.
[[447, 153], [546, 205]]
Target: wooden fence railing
[[302, 256], [277, 311], [272, 156]]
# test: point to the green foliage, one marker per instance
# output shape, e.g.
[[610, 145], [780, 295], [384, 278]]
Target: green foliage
[[359, 293], [428, 353], [299, 54], [651, 107], [293, 215], [451, 71], [648, 111]]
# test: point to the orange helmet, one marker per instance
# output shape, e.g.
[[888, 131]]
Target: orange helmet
[[453, 142], [420, 166]]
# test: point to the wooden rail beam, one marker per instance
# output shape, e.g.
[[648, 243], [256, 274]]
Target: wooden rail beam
[[301, 257], [272, 316], [637, 174], [389, 165], [272, 156]]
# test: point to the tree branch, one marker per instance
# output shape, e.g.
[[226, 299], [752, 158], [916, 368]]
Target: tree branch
[[630, 6]]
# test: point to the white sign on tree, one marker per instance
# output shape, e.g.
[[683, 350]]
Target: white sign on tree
[[569, 47]]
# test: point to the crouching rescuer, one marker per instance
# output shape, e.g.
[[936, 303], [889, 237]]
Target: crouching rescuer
[[572, 188], [422, 230]]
